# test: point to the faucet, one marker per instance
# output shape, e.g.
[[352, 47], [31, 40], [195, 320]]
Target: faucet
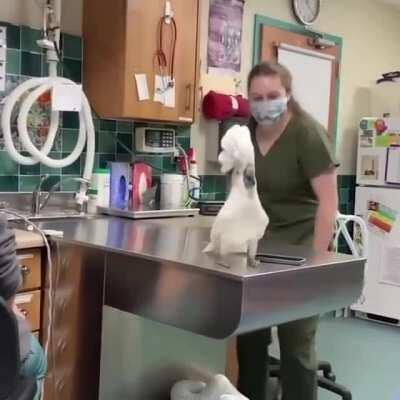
[[37, 202], [36, 196]]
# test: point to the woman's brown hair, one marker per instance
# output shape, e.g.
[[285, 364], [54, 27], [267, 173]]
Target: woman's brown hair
[[275, 69]]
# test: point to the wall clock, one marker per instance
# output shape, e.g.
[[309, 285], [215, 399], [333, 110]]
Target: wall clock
[[306, 11]]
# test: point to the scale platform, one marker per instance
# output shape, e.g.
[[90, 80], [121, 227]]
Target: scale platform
[[149, 213]]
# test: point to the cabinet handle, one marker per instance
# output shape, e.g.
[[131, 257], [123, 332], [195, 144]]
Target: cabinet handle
[[188, 97], [25, 270]]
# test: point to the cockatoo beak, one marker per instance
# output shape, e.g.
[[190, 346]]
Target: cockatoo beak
[[249, 177]]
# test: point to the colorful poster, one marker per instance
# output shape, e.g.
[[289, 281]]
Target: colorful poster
[[225, 36], [381, 217]]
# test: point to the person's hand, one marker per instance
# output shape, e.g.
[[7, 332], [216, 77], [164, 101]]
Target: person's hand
[[17, 311]]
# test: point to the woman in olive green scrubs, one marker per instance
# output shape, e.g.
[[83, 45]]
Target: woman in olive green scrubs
[[296, 178]]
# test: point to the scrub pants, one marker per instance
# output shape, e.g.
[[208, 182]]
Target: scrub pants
[[298, 361]]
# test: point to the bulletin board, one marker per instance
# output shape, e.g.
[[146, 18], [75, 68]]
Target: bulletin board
[[266, 28]]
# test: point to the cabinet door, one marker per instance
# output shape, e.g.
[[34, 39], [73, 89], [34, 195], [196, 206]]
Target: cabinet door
[[186, 61], [142, 35]]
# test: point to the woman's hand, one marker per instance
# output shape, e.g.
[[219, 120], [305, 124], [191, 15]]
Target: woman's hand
[[325, 189], [17, 311]]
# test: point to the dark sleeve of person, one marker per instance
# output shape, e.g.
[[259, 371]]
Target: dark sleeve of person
[[10, 274], [315, 153]]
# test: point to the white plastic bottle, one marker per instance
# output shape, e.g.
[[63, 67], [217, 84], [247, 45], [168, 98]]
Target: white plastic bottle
[[101, 183], [92, 201]]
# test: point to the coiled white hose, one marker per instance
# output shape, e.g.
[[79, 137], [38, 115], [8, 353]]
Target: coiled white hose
[[36, 87]]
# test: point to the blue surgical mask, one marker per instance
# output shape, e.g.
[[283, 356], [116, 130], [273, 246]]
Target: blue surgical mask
[[268, 112]]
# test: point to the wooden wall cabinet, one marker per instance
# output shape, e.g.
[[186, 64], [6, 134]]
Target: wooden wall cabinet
[[120, 40]]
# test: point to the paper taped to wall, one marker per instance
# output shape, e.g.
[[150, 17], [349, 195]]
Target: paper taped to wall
[[66, 97], [142, 88]]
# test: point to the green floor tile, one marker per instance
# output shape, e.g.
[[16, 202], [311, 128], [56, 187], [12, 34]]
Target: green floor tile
[[29, 38], [7, 165], [364, 356], [13, 65], [72, 46], [28, 183], [9, 183], [31, 64]]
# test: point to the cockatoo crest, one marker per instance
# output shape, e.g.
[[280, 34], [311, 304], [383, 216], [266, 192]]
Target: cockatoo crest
[[237, 149]]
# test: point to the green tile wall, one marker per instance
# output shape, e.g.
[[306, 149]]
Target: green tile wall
[[347, 188], [24, 60]]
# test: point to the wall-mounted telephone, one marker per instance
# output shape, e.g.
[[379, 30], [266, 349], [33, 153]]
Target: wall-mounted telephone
[[155, 140]]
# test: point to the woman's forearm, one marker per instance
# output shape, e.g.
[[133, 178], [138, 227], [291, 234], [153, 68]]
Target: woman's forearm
[[324, 226]]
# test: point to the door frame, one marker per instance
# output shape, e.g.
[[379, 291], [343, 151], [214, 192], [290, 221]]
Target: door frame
[[261, 20]]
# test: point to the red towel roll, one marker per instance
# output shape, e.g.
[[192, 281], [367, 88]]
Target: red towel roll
[[244, 108], [222, 106]]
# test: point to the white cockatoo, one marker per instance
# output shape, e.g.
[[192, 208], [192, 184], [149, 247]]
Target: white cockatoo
[[242, 221]]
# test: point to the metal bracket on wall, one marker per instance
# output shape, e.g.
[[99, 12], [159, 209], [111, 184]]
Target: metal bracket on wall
[[3, 57]]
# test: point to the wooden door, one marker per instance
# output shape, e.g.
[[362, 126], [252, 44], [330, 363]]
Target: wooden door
[[272, 37], [142, 21]]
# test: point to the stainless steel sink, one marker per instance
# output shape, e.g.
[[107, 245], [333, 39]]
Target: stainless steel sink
[[46, 215], [61, 206]]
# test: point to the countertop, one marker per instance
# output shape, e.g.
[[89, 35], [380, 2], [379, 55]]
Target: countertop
[[181, 241], [157, 269], [27, 240]]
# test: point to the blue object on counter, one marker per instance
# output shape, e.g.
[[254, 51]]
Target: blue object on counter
[[120, 184]]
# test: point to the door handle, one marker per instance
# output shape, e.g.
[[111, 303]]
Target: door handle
[[188, 97]]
